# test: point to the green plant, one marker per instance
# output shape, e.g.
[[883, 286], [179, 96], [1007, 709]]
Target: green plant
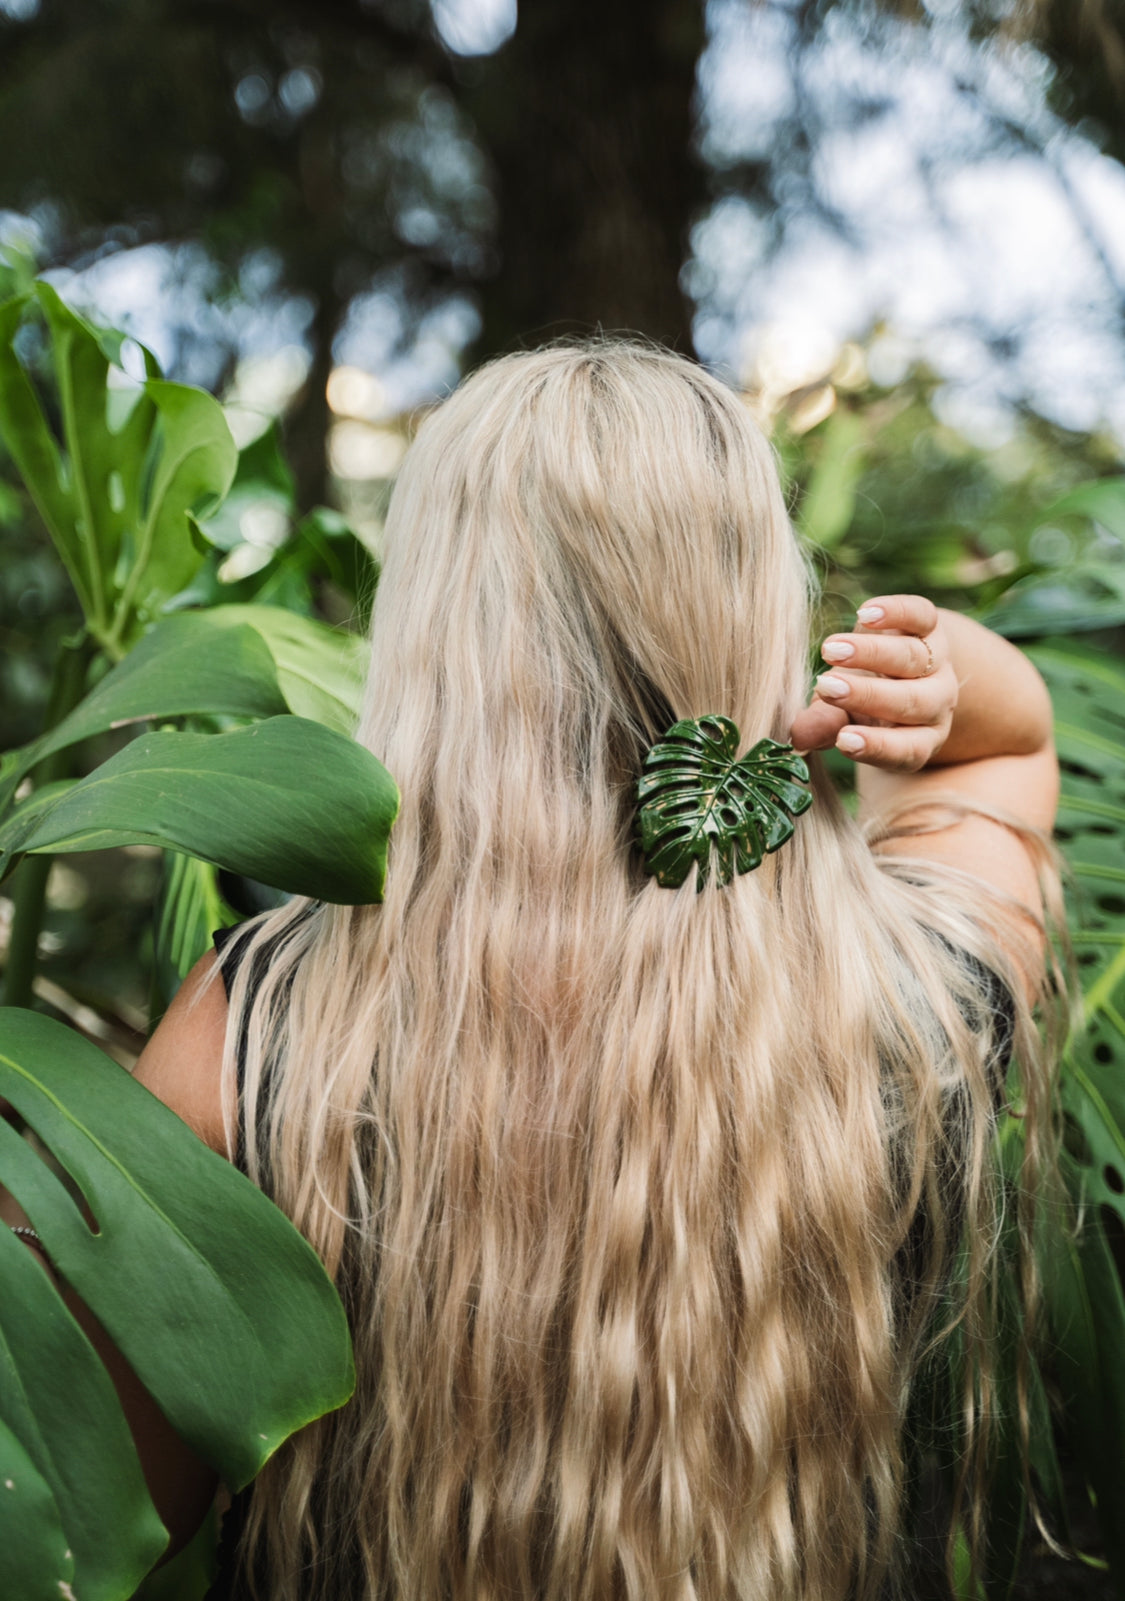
[[886, 496], [218, 1305], [236, 757]]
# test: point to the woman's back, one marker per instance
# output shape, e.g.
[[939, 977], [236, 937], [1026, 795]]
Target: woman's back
[[620, 1183]]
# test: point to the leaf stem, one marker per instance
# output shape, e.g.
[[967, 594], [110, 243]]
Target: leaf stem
[[120, 620], [30, 885], [88, 532]]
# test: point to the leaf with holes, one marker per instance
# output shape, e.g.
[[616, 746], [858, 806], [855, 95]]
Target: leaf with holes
[[1085, 1304], [216, 1302], [700, 800]]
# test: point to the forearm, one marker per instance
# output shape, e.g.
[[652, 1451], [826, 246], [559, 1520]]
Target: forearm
[[1003, 708]]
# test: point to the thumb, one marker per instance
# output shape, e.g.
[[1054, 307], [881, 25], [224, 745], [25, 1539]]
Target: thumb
[[817, 726]]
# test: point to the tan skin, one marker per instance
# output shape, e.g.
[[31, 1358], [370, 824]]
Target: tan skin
[[940, 705]]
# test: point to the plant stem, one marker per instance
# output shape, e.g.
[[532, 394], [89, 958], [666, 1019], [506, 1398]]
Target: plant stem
[[30, 879]]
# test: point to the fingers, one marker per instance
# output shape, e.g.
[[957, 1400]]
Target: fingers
[[894, 655], [909, 614], [891, 700], [898, 750], [891, 682]]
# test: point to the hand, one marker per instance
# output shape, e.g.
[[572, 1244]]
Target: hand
[[889, 694]]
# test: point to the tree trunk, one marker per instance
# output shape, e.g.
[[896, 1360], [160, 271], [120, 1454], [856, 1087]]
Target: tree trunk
[[306, 426], [587, 115]]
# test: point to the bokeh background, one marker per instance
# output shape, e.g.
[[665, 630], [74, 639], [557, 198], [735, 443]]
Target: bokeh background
[[897, 227]]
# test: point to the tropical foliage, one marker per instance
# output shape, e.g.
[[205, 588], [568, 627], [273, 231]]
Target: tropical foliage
[[890, 497], [236, 756], [199, 706]]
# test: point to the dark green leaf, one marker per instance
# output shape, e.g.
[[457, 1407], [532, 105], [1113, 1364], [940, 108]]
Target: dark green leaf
[[221, 1308], [1086, 1311], [74, 1432], [286, 801], [698, 797], [189, 663], [36, 1564], [1082, 1286], [188, 1576]]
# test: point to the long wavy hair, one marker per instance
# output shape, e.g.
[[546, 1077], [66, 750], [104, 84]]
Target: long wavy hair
[[640, 1200]]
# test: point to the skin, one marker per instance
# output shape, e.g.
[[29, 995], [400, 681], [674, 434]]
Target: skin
[[977, 726]]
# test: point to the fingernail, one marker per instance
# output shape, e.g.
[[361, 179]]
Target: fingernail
[[849, 742], [837, 650], [869, 614], [834, 687]]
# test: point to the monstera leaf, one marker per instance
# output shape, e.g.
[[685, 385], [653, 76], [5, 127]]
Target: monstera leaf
[[222, 1310], [1082, 1265], [699, 798]]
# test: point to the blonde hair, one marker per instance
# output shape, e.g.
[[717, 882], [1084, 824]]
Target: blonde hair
[[639, 1200]]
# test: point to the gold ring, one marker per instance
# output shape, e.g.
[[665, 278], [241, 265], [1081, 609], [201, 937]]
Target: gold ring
[[930, 662]]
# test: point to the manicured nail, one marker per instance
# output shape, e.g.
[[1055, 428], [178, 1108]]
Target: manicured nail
[[869, 614], [833, 687], [837, 650], [849, 742]]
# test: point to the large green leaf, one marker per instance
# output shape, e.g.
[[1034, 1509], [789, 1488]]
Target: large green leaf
[[39, 1563], [220, 1307], [1086, 1309], [321, 670], [286, 801], [233, 661], [68, 1428], [187, 663], [1088, 690], [189, 1574], [701, 803], [1083, 596], [117, 488]]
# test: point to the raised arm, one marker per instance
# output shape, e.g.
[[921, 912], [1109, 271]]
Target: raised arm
[[930, 704]]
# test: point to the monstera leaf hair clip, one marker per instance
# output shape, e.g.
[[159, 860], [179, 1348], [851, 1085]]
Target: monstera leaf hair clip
[[701, 801]]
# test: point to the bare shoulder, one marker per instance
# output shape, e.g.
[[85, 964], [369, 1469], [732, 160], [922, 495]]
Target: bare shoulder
[[182, 1062]]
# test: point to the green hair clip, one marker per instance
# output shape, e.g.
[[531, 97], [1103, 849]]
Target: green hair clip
[[698, 795]]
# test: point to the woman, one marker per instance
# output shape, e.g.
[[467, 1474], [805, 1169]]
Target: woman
[[640, 1198]]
